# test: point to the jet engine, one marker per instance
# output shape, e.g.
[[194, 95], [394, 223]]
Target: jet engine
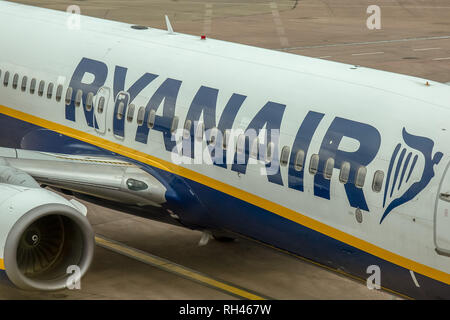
[[43, 236]]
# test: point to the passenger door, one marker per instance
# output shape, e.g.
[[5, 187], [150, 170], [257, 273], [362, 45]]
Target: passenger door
[[442, 216]]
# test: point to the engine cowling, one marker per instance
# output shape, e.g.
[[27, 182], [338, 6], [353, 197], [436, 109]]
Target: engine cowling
[[41, 235]]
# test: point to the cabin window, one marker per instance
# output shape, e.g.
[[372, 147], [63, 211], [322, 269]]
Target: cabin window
[[59, 91], [174, 125], [226, 137], [15, 81], [284, 158], [269, 152], [187, 129], [345, 172], [6, 79], [240, 145], [23, 86], [101, 105], [78, 98], [151, 119], [378, 178], [69, 93], [328, 170], [299, 160], [41, 88], [89, 101], [120, 111], [50, 90], [199, 131], [213, 136], [360, 177], [254, 149], [314, 164], [140, 116], [130, 112], [33, 85]]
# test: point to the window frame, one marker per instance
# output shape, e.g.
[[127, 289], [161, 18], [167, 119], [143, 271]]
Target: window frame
[[328, 168], [59, 92], [140, 116], [24, 83], [130, 112], [33, 84], [374, 182], [15, 82], [284, 156], [41, 88], [341, 170], [50, 88], [6, 79], [357, 177], [314, 160]]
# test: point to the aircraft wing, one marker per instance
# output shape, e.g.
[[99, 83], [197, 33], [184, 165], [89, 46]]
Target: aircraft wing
[[100, 177], [42, 232]]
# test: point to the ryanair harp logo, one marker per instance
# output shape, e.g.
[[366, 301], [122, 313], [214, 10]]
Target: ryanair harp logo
[[416, 155]]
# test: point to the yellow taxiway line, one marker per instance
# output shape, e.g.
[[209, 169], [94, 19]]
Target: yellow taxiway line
[[177, 269]]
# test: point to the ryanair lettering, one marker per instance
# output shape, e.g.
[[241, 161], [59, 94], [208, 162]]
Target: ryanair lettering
[[268, 118]]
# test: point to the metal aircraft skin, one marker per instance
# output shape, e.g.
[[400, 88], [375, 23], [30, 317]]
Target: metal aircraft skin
[[343, 165]]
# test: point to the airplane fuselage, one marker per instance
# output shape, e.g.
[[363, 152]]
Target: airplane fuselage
[[349, 164]]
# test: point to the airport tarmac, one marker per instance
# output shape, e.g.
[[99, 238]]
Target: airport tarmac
[[142, 259]]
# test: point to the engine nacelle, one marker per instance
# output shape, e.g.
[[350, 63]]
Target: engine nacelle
[[41, 235]]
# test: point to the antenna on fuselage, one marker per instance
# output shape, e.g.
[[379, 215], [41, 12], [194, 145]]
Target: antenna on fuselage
[[169, 25]]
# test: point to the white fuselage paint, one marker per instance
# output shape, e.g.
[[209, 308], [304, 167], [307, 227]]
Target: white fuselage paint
[[37, 43]]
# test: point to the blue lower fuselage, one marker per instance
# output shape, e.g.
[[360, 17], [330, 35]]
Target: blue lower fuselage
[[197, 206]]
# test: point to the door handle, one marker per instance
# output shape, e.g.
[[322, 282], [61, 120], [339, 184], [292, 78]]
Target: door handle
[[445, 196]]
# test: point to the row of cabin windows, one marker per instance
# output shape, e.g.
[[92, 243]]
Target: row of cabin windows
[[120, 113], [34, 86], [141, 116], [42, 89], [344, 173], [89, 104], [240, 145]]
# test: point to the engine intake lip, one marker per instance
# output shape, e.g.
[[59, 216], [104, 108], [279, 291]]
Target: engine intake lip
[[83, 252]]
